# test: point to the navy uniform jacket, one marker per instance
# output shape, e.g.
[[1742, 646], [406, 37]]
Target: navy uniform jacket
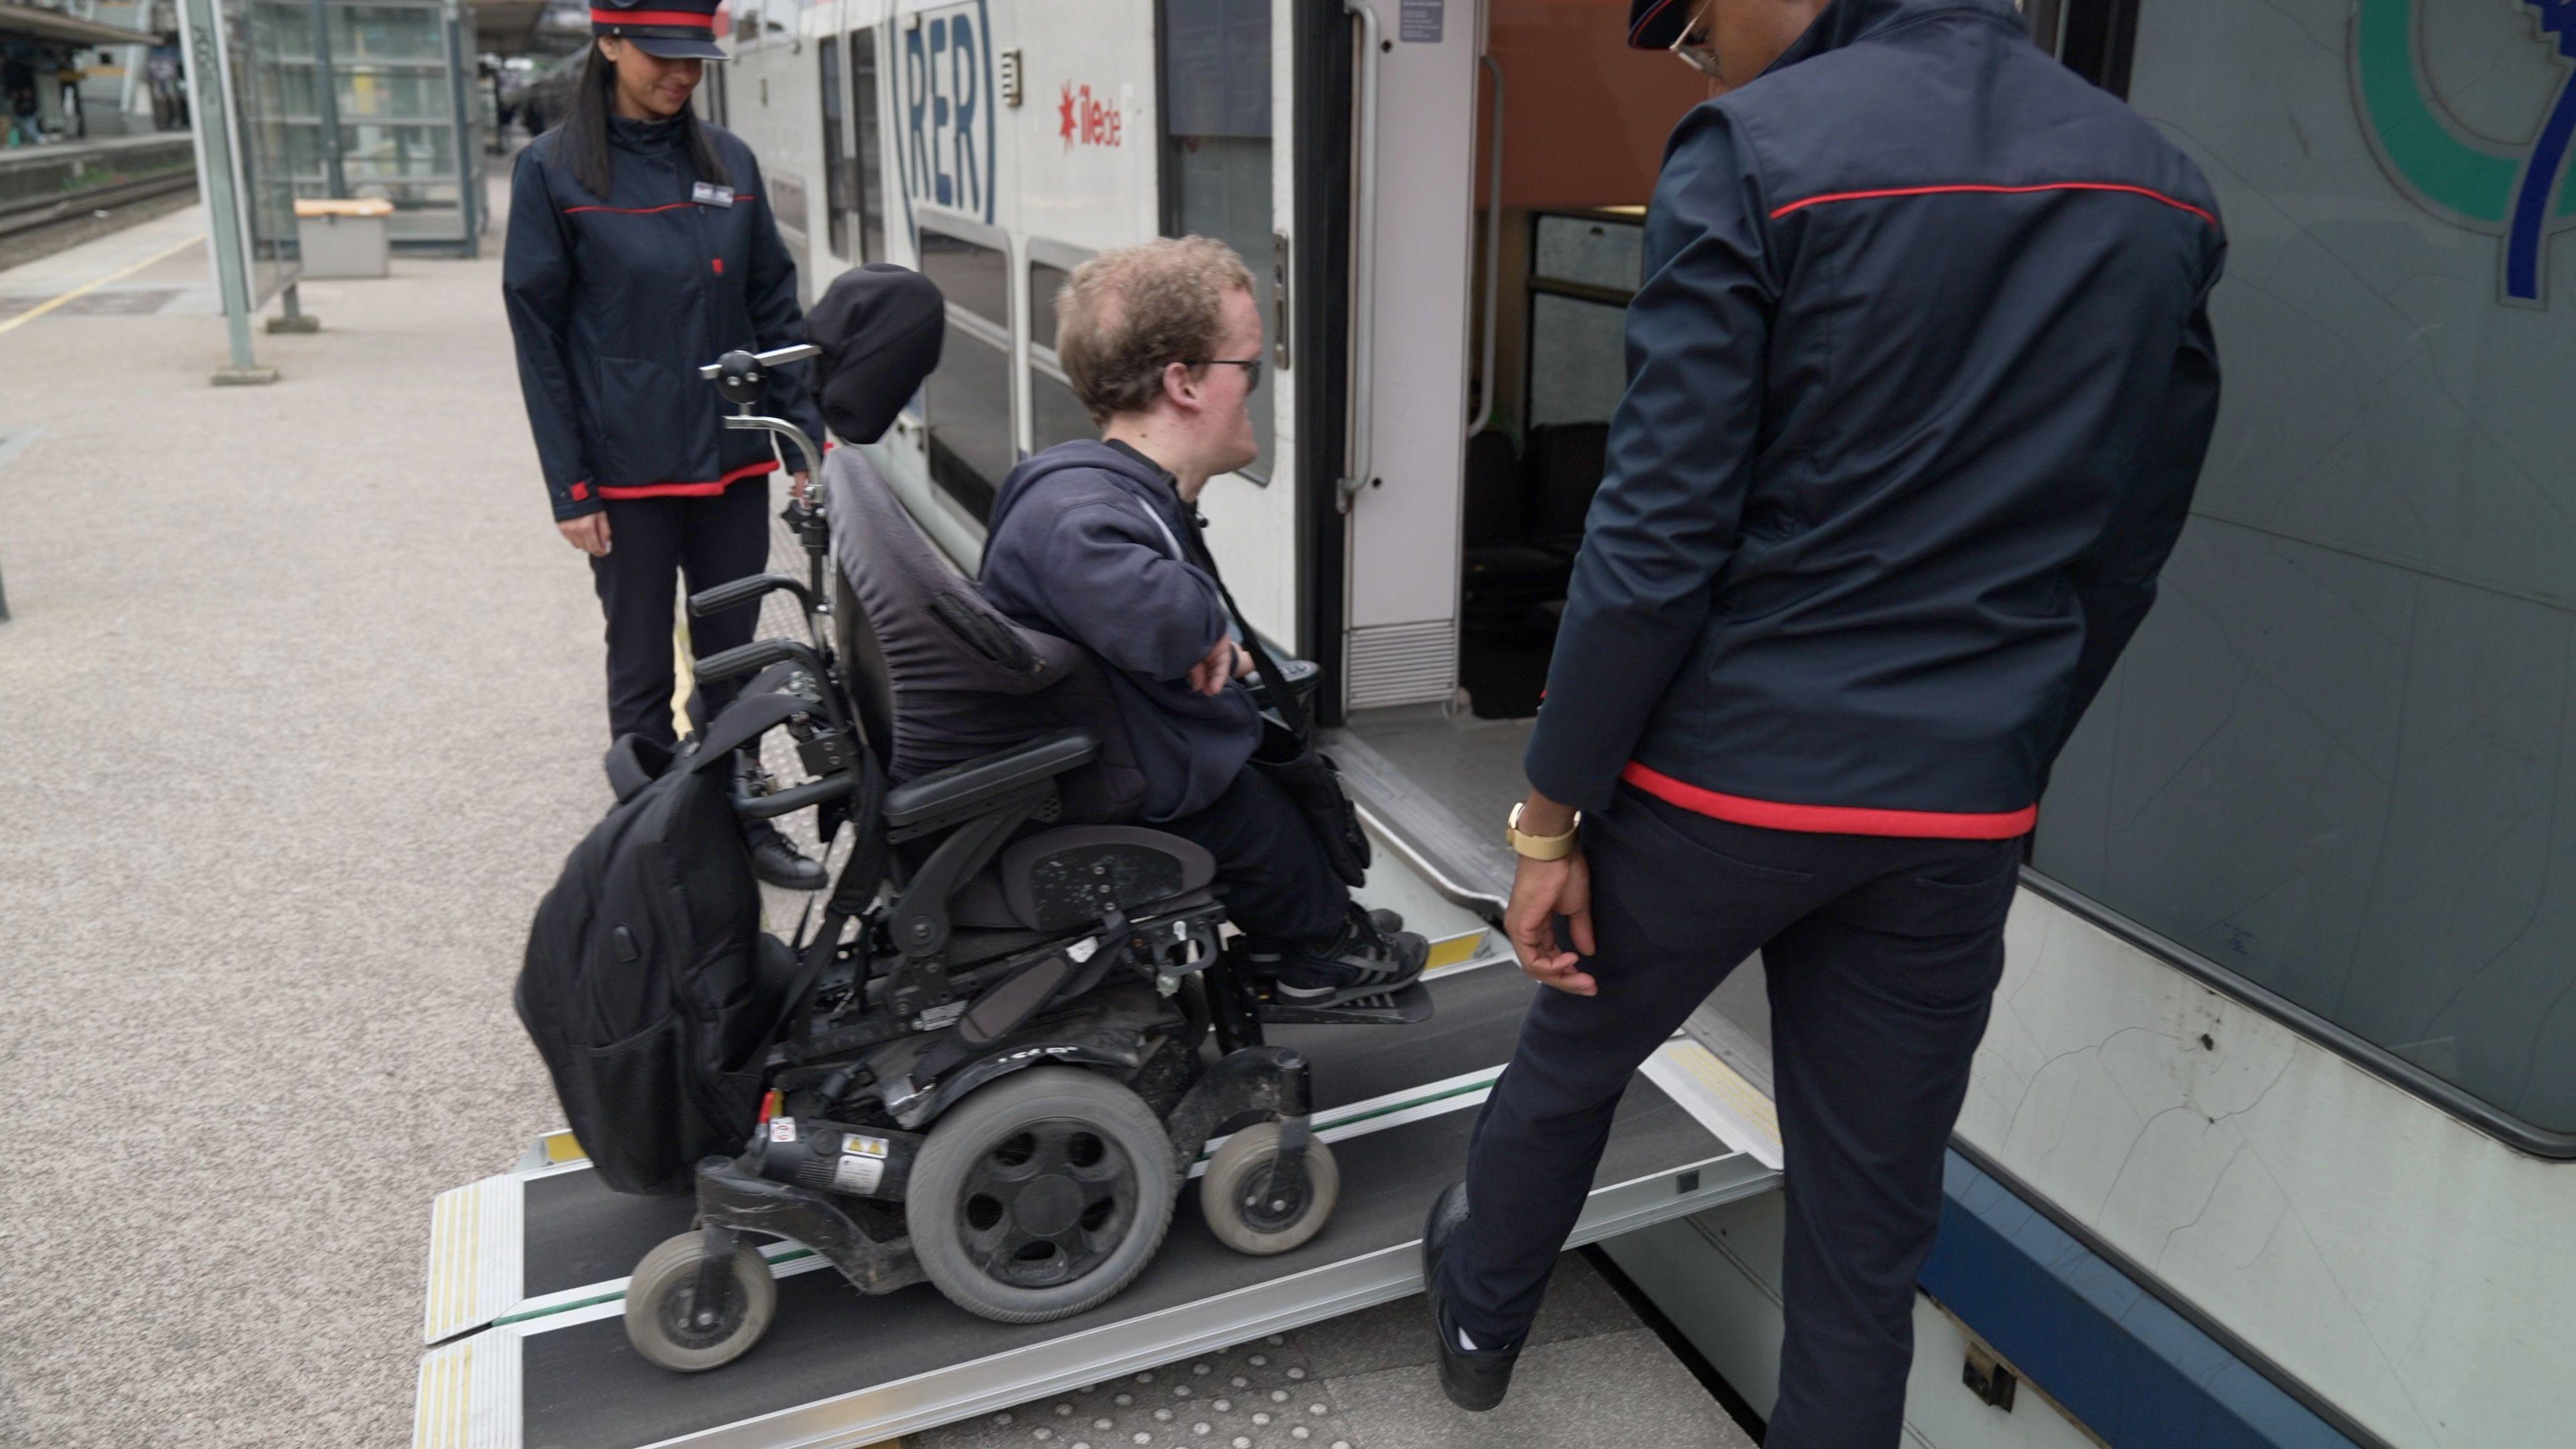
[[617, 301], [1920, 382]]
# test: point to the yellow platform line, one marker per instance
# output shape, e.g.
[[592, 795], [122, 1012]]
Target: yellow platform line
[[1723, 1082], [121, 273]]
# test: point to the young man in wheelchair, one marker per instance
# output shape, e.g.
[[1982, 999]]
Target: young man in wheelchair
[[1100, 542]]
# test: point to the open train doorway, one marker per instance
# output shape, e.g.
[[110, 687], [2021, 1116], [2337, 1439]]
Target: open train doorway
[[1561, 135], [1577, 122]]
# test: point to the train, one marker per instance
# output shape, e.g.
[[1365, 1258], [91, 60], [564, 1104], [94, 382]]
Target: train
[[2270, 1139]]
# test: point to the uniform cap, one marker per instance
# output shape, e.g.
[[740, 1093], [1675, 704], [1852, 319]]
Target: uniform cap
[[670, 29], [1656, 24]]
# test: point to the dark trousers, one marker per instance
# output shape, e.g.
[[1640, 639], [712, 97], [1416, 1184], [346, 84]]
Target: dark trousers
[[708, 541], [1881, 957], [1270, 868]]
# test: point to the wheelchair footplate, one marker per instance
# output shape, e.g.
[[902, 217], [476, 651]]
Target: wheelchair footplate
[[1403, 1006]]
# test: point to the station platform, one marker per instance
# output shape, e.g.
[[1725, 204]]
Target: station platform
[[302, 690]]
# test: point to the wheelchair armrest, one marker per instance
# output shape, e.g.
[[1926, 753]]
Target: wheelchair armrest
[[994, 777], [1303, 677]]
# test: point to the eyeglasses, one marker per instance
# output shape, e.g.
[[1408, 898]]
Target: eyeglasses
[[1693, 46], [1251, 368]]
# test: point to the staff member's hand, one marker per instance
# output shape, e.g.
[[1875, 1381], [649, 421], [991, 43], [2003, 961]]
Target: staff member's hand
[[796, 487], [589, 533], [1543, 890]]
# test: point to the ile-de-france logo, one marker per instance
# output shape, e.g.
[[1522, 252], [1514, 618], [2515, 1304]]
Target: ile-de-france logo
[[2518, 190]]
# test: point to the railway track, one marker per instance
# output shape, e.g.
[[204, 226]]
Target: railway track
[[19, 218]]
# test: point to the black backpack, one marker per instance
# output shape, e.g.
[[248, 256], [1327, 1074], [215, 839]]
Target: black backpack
[[649, 987]]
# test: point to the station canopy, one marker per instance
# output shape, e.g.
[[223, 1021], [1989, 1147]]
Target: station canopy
[[62, 29]]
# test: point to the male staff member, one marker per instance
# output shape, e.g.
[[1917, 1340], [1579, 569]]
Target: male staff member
[[1920, 383]]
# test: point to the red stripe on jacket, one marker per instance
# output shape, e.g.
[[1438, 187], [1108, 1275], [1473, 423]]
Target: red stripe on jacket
[[1832, 819], [2151, 195], [691, 490]]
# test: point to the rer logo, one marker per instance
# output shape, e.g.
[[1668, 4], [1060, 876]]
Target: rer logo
[[2516, 189], [1083, 121], [948, 116]]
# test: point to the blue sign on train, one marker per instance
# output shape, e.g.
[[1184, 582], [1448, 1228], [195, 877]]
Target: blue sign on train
[[947, 110]]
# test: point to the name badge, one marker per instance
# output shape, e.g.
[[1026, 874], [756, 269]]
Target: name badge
[[706, 195]]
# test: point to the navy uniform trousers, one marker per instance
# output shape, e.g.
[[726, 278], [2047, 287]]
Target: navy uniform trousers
[[1881, 957], [652, 542]]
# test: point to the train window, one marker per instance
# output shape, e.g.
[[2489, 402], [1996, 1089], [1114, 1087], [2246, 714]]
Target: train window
[[969, 274], [867, 160], [1216, 138], [1590, 251], [836, 184], [1044, 282], [1055, 415], [968, 397], [2336, 761], [1583, 270]]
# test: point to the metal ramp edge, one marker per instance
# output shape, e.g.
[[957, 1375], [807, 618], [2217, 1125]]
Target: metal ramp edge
[[471, 1388]]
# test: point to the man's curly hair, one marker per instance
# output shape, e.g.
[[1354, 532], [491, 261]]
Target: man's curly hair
[[1126, 315]]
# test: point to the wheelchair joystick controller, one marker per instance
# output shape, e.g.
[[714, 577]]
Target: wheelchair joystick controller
[[741, 379]]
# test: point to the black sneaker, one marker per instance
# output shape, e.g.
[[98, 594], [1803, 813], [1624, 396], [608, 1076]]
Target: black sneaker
[[775, 859], [1475, 1379], [1362, 961]]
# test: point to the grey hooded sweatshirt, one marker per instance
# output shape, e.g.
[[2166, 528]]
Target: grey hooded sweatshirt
[[1091, 541]]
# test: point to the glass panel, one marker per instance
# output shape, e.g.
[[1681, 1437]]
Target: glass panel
[[387, 32], [1223, 186], [868, 162], [1216, 72], [1216, 78], [969, 276], [1044, 282], [968, 398], [2340, 757], [836, 182], [1056, 416], [1577, 359], [1597, 253]]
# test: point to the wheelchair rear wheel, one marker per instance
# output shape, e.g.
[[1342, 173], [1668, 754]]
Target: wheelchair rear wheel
[[1041, 1194]]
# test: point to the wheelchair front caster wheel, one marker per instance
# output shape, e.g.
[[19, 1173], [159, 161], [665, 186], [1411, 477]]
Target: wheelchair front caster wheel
[[667, 1324], [1243, 1209]]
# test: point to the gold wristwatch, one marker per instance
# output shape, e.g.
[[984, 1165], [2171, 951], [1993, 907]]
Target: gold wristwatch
[[1542, 847]]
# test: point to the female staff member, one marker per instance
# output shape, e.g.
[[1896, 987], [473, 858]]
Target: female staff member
[[641, 247]]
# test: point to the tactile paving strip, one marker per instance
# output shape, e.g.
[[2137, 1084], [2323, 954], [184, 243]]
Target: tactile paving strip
[[1260, 1395]]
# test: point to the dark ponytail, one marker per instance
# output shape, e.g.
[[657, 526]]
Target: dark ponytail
[[585, 149]]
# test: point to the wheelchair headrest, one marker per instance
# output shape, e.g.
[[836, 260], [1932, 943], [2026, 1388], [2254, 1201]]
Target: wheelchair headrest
[[880, 327]]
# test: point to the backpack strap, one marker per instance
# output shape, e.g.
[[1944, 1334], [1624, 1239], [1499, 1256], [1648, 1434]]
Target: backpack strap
[[744, 720], [633, 763]]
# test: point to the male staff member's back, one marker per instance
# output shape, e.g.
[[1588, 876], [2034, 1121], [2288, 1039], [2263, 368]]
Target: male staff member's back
[[1920, 382]]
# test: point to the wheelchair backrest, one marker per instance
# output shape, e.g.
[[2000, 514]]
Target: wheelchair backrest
[[937, 676]]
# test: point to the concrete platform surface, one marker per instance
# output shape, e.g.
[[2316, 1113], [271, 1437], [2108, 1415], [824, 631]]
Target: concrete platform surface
[[299, 711]]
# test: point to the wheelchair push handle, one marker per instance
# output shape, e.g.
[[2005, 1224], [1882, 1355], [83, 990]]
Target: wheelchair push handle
[[743, 590]]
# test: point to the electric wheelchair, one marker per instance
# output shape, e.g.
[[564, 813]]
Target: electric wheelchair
[[994, 1072]]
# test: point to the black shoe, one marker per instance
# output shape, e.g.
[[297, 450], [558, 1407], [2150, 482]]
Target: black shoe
[[1362, 961], [1474, 1379], [775, 860]]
